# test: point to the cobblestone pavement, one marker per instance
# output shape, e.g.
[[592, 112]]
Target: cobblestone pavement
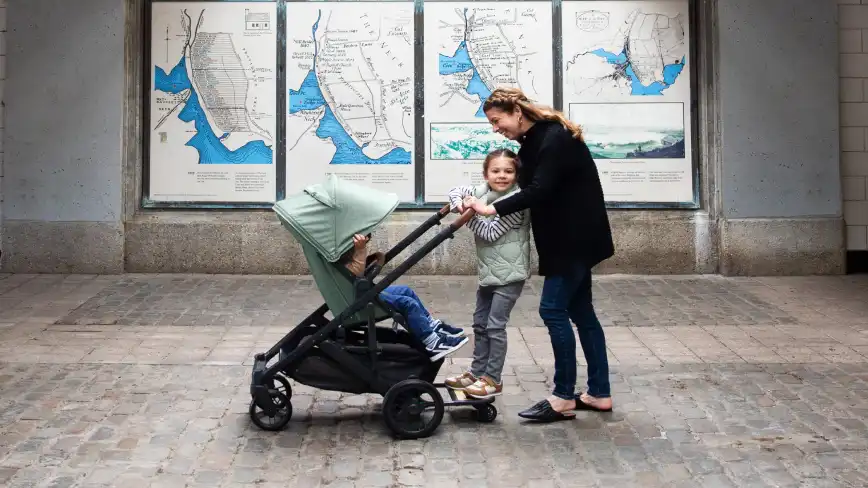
[[142, 380]]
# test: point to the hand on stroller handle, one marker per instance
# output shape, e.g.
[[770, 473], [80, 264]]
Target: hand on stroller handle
[[460, 221]]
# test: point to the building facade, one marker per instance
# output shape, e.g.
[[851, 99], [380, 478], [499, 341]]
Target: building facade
[[144, 136]]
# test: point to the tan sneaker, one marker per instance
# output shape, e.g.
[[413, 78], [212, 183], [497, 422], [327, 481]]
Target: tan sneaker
[[483, 388], [461, 381]]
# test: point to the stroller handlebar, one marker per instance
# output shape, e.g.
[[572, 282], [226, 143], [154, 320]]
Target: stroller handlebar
[[465, 217], [460, 221]]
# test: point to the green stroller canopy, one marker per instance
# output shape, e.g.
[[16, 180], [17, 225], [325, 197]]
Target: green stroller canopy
[[324, 218], [326, 215]]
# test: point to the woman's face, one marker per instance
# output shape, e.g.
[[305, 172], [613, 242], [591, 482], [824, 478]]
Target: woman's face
[[500, 174], [507, 124]]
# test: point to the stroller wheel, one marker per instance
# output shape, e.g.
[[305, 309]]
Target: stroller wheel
[[413, 409], [280, 395], [486, 413]]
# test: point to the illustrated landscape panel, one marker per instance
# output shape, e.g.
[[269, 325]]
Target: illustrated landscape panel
[[632, 130]]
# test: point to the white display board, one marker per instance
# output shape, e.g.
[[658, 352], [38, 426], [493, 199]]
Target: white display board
[[350, 81], [470, 49], [626, 81], [213, 102]]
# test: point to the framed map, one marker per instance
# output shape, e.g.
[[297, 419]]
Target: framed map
[[350, 94], [627, 82], [212, 125], [470, 49]]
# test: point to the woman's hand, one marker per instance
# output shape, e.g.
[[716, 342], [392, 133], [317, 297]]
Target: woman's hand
[[468, 203], [359, 241], [483, 209]]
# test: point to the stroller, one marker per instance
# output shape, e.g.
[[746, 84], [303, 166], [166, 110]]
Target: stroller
[[350, 352]]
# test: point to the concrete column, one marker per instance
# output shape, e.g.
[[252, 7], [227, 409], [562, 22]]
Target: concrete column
[[2, 106], [62, 182], [780, 182]]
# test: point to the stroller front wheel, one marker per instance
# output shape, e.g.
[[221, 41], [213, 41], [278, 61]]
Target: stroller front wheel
[[280, 395], [413, 409]]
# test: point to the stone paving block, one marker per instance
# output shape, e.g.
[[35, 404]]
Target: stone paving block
[[194, 300]]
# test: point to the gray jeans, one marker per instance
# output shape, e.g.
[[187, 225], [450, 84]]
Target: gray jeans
[[493, 306]]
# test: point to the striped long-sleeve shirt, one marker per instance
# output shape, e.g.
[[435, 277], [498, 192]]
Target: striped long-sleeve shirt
[[487, 229]]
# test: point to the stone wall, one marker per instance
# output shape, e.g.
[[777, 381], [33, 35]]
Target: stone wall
[[853, 46], [771, 188]]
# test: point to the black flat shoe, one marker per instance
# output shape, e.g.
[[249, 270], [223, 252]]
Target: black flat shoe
[[580, 405], [543, 412]]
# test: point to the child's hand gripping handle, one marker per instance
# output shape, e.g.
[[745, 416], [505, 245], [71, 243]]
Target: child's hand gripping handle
[[462, 221]]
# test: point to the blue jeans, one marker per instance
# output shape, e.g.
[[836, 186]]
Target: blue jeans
[[404, 300], [569, 297]]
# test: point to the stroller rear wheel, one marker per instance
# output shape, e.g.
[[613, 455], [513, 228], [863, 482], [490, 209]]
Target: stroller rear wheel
[[413, 409], [280, 394]]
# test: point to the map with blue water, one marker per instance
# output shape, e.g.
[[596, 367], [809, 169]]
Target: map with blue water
[[460, 62], [479, 48], [623, 66], [212, 111], [645, 55], [210, 146], [348, 111]]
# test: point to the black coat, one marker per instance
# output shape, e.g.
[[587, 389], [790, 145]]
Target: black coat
[[561, 187]]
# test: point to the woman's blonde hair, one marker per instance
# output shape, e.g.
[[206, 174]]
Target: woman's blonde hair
[[507, 99]]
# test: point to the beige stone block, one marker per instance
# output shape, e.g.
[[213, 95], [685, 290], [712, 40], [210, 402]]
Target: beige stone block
[[856, 213], [857, 238], [852, 139], [850, 41], [854, 115], [853, 187], [854, 164], [853, 16], [853, 65], [851, 90]]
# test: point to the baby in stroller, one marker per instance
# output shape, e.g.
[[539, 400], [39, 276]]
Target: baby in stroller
[[439, 338]]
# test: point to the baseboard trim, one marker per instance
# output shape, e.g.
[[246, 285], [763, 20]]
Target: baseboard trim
[[62, 247], [782, 247]]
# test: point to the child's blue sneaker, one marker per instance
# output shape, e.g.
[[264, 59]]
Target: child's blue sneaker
[[445, 346], [443, 328]]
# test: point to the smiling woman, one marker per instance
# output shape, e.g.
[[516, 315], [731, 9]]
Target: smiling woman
[[561, 187]]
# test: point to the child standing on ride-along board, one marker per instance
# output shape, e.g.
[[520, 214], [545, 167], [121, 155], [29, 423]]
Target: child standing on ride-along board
[[503, 258]]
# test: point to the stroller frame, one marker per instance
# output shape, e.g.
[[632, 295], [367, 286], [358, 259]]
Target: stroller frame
[[270, 389]]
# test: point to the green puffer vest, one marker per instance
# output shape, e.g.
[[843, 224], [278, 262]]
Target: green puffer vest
[[506, 260]]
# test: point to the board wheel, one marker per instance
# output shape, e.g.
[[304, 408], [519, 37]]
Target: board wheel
[[486, 413]]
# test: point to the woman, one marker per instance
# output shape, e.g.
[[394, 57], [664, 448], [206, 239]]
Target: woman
[[561, 187]]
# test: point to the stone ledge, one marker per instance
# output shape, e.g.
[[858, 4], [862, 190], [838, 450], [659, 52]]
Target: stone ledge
[[782, 247], [62, 247], [647, 242]]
